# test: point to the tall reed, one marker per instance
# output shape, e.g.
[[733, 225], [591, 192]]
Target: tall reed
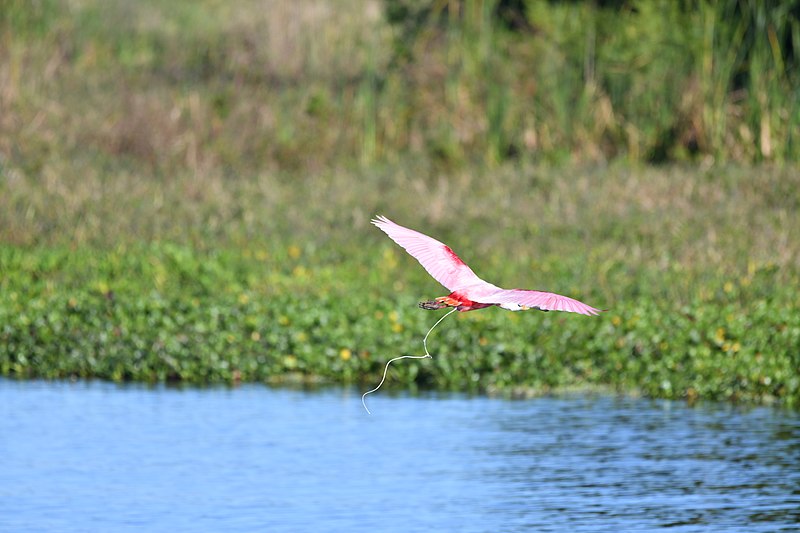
[[208, 87]]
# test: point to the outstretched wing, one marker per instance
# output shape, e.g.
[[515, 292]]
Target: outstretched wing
[[437, 258], [514, 299]]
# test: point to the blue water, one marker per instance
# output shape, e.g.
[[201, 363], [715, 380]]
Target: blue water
[[102, 457]]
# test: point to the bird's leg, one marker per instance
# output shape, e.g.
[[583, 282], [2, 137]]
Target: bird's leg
[[439, 303]]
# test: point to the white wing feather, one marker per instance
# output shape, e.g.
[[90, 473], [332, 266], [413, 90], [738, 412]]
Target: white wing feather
[[517, 299]]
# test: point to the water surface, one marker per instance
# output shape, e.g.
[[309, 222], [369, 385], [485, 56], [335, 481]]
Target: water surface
[[102, 457]]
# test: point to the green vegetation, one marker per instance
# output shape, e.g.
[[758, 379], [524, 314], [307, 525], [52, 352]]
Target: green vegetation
[[186, 188], [699, 271]]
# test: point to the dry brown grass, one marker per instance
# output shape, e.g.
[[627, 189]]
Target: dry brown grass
[[714, 222], [265, 85], [202, 123]]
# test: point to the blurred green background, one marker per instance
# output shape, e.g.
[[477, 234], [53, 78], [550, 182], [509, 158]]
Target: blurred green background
[[186, 188]]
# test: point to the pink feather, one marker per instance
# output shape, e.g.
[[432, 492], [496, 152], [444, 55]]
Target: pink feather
[[449, 270], [437, 258]]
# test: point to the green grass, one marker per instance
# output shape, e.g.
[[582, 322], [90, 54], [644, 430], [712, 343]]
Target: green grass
[[168, 313], [186, 188], [698, 271]]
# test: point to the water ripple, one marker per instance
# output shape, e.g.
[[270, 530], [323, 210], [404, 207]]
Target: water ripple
[[100, 457]]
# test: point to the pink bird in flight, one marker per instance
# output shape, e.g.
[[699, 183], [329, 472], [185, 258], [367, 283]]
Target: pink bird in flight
[[468, 292]]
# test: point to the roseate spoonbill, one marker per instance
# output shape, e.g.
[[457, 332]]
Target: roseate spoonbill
[[468, 292]]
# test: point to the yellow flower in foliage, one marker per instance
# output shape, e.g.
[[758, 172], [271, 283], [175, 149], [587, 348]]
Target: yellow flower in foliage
[[244, 299], [389, 258], [294, 251], [719, 335], [731, 347], [397, 327], [345, 354], [616, 320], [728, 287]]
